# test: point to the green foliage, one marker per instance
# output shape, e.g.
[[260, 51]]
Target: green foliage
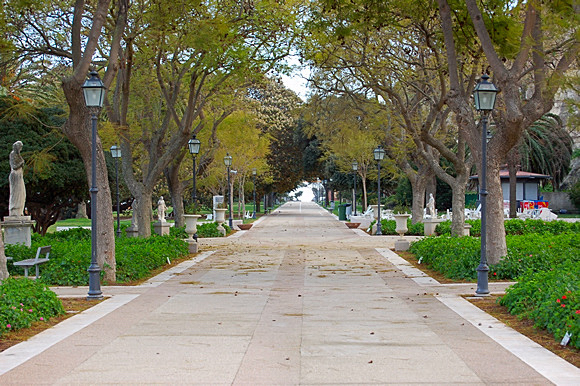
[[550, 298], [388, 228], [24, 301], [518, 227], [457, 257], [208, 229], [71, 256], [54, 172]]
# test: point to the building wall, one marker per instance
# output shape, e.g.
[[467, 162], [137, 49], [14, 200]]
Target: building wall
[[559, 200]]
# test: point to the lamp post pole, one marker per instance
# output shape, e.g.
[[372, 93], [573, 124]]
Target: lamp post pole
[[228, 163], [484, 96], [354, 168], [254, 172], [194, 145], [94, 92], [116, 154], [379, 154]]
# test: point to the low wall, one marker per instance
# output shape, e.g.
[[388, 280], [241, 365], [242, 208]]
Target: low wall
[[559, 200]]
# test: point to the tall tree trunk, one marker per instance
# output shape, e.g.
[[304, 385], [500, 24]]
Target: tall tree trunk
[[3, 267], [512, 161], [458, 204], [418, 184], [496, 245], [176, 193], [143, 212]]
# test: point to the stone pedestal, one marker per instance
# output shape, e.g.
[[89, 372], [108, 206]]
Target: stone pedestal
[[466, 229], [132, 231], [429, 225], [221, 229], [402, 245], [235, 224], [161, 228], [17, 230], [192, 246]]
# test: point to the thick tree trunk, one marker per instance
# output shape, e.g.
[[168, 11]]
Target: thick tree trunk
[[3, 267], [418, 187], [176, 192], [496, 243], [512, 160], [458, 204], [78, 130], [144, 212]]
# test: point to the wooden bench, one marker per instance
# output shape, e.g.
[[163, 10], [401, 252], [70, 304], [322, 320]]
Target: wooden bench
[[36, 262]]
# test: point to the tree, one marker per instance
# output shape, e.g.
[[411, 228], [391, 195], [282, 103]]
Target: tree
[[66, 37], [194, 53], [532, 58]]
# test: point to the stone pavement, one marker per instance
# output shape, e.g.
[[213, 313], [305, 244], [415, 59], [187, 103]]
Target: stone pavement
[[297, 300]]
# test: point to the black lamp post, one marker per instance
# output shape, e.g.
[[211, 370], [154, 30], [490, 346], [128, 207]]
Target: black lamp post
[[354, 168], [254, 172], [324, 185], [94, 92], [228, 163], [194, 145], [484, 95], [379, 154], [116, 154]]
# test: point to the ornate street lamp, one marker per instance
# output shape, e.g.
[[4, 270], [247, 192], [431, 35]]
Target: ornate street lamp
[[194, 144], [354, 168], [484, 95], [228, 163], [116, 154], [94, 92], [379, 155], [254, 172]]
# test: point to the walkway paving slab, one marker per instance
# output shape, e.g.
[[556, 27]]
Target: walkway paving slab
[[297, 300]]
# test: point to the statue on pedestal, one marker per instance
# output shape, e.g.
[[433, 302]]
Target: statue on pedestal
[[161, 208], [16, 179], [431, 206]]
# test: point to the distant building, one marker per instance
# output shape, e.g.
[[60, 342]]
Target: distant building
[[527, 185]]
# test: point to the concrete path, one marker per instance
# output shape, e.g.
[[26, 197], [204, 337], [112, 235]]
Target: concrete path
[[298, 299]]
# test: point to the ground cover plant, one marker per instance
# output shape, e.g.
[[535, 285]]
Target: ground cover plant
[[71, 254], [388, 228], [24, 301], [546, 266]]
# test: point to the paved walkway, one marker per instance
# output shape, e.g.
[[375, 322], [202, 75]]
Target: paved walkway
[[298, 299]]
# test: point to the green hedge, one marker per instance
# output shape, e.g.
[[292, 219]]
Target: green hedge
[[71, 256], [24, 301], [458, 257], [518, 227], [550, 298], [388, 228]]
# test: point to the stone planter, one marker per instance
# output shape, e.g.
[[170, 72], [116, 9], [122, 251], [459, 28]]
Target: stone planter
[[245, 227], [191, 225], [220, 218], [401, 229], [375, 211], [220, 215], [352, 225]]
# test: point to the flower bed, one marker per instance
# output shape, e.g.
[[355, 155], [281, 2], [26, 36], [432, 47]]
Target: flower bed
[[24, 301]]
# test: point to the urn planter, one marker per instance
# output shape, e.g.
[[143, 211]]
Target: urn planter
[[191, 225], [220, 215], [401, 229]]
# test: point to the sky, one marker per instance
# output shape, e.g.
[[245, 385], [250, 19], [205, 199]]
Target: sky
[[297, 80]]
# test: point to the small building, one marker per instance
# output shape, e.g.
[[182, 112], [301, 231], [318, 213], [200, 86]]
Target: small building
[[527, 185]]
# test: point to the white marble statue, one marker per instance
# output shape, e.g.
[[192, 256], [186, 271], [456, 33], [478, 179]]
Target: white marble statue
[[431, 206], [16, 179], [161, 208]]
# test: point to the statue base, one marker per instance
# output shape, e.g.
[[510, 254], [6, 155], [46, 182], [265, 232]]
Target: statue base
[[18, 230], [161, 228], [402, 245], [132, 231], [429, 225]]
